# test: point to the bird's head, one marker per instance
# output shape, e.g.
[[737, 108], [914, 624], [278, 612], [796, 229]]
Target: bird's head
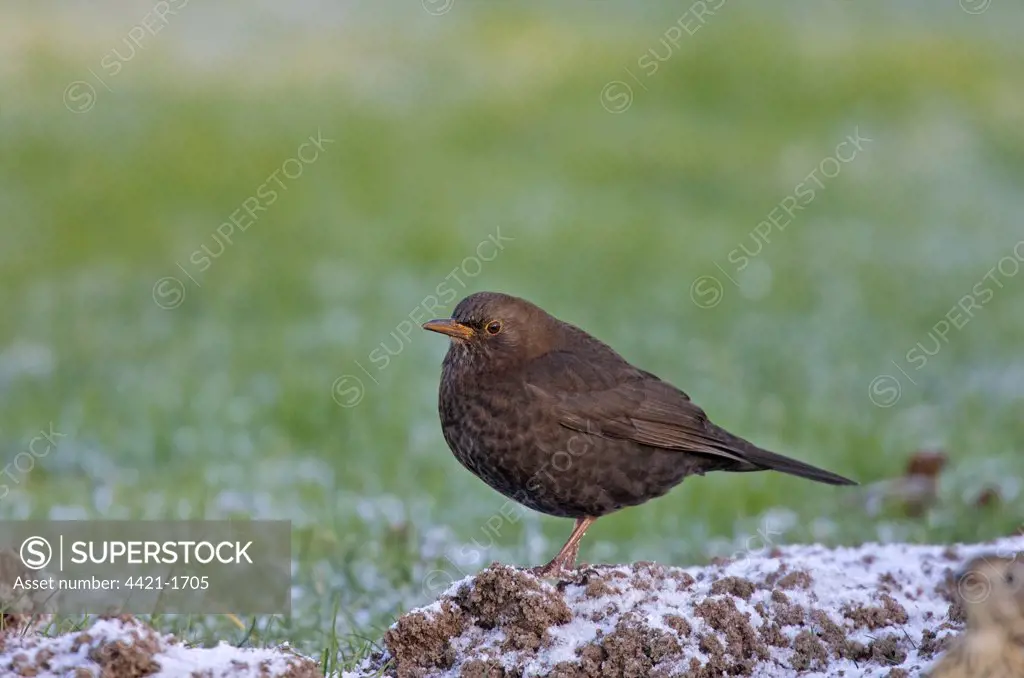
[[991, 588], [497, 328]]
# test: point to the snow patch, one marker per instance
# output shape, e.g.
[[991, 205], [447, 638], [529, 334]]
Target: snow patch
[[123, 646]]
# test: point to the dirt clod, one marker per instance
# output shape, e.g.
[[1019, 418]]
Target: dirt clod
[[810, 653], [598, 587], [736, 586], [480, 668], [742, 640], [771, 634], [887, 650], [130, 660], [632, 650], [788, 615], [835, 638], [795, 580], [418, 642], [679, 625], [889, 613], [516, 602], [931, 645]]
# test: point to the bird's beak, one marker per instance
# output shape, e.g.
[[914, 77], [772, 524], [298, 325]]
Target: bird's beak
[[452, 328]]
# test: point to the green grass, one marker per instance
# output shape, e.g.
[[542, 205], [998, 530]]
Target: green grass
[[446, 129]]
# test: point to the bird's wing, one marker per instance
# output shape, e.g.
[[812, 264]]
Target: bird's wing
[[623, 402]]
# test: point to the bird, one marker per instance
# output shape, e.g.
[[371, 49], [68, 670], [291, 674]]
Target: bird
[[991, 590], [555, 419]]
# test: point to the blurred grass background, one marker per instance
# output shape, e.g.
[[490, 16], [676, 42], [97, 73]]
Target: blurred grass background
[[451, 122]]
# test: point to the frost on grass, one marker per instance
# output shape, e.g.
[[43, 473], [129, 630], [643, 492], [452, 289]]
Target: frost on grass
[[875, 610], [122, 647]]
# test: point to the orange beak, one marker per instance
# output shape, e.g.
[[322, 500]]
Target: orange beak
[[452, 328]]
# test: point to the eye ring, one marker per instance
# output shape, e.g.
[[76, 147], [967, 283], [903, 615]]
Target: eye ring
[[493, 327]]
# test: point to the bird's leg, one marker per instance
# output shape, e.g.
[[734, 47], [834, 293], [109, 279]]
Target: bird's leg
[[566, 558]]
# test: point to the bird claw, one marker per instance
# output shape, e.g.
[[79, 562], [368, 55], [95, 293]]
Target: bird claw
[[549, 571], [577, 575]]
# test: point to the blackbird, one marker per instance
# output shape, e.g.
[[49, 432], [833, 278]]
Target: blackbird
[[991, 591], [558, 421]]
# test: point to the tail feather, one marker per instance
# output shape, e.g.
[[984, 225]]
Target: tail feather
[[761, 460], [776, 462]]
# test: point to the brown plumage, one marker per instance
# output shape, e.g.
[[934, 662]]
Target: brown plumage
[[553, 418], [991, 589]]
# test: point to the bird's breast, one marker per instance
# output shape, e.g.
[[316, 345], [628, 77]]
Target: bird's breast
[[499, 434], [484, 422], [515, 443]]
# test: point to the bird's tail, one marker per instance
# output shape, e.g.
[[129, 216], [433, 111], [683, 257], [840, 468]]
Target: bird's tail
[[761, 460]]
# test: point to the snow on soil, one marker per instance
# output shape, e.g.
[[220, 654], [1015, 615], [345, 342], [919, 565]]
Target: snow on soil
[[875, 610], [124, 647]]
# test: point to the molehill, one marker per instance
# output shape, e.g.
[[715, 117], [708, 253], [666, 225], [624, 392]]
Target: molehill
[[875, 610]]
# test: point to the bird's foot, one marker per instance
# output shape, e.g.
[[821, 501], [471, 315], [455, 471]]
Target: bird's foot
[[552, 570], [577, 574], [564, 564], [559, 568]]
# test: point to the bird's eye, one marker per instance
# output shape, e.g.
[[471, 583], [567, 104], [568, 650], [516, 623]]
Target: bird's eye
[[1011, 579], [493, 327]]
